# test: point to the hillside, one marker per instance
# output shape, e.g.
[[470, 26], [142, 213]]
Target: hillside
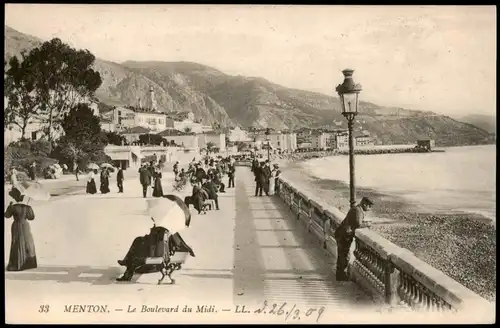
[[215, 97], [485, 122]]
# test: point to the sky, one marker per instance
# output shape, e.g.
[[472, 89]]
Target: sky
[[438, 58]]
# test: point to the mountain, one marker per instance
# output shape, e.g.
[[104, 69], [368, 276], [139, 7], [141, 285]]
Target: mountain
[[218, 98], [485, 122]]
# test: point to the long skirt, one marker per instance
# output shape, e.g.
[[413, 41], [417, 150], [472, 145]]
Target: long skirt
[[22, 247], [105, 186], [158, 189], [271, 186], [91, 187]]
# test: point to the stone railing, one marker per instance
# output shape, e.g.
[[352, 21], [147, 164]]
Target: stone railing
[[391, 274]]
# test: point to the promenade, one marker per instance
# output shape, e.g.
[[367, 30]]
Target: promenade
[[250, 251]]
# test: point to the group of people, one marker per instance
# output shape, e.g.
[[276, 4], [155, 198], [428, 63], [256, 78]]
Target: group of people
[[266, 179], [104, 180], [150, 176], [206, 178]]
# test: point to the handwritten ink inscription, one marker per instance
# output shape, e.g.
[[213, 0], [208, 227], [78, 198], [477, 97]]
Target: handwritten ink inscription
[[289, 312]]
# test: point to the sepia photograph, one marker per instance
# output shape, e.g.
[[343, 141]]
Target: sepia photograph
[[239, 164]]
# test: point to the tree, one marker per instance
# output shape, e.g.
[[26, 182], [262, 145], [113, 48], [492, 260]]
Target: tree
[[114, 138], [63, 77], [19, 89], [81, 124], [83, 140], [187, 129]]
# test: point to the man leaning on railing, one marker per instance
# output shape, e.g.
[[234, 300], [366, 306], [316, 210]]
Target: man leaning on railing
[[344, 235]]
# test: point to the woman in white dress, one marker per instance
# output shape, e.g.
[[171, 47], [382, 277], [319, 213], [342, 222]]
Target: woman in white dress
[[272, 181]]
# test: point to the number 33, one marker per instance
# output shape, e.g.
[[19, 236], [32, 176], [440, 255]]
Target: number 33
[[43, 309]]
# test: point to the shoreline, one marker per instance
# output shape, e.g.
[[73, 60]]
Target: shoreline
[[462, 245]]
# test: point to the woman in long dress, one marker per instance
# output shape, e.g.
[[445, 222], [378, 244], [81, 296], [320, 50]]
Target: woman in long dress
[[158, 190], [22, 247], [272, 182], [91, 186], [104, 181]]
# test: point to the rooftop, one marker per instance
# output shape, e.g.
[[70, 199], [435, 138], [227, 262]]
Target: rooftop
[[173, 132], [136, 130]]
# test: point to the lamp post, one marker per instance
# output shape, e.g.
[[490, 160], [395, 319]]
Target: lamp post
[[268, 145], [349, 93]]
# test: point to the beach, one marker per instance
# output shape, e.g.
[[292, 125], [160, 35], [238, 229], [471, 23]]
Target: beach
[[461, 242]]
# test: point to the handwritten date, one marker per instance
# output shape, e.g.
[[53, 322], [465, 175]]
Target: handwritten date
[[289, 311]]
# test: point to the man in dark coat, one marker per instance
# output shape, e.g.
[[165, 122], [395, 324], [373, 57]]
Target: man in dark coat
[[230, 174], [211, 189], [150, 245], [344, 235], [145, 178], [258, 180], [265, 176], [200, 173], [119, 180]]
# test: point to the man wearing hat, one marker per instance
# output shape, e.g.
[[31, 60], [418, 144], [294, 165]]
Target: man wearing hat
[[344, 235]]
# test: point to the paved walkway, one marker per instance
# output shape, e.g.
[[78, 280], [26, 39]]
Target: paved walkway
[[249, 252]]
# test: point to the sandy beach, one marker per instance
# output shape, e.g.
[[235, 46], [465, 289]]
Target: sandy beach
[[461, 245]]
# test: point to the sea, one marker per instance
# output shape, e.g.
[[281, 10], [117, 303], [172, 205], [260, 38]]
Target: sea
[[460, 179]]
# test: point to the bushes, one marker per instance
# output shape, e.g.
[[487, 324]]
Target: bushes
[[21, 154]]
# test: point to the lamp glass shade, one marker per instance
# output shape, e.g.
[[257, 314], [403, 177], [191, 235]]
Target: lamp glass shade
[[349, 102]]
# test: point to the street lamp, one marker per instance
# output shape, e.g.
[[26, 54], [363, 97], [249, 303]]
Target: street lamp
[[268, 145], [349, 93]]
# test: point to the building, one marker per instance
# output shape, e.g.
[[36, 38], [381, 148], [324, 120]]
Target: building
[[185, 121], [132, 134], [217, 139], [319, 140], [342, 140], [180, 138], [128, 117], [426, 144], [364, 140], [132, 156], [278, 140], [237, 134]]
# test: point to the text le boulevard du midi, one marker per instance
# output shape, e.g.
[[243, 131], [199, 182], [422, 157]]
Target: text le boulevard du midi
[[289, 312]]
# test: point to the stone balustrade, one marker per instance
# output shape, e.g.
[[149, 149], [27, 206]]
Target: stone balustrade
[[391, 274]]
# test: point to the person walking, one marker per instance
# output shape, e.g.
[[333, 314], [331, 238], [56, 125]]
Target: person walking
[[344, 236], [157, 189], [33, 171], [265, 176], [231, 172], [91, 185], [119, 180], [145, 179], [104, 181]]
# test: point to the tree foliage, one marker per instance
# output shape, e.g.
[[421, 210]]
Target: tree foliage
[[114, 138], [19, 87], [151, 139], [60, 77], [83, 140]]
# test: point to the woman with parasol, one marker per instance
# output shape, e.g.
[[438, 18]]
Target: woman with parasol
[[171, 215], [104, 181], [91, 186], [22, 248]]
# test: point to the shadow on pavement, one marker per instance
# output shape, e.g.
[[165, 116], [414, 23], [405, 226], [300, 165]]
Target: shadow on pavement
[[66, 274], [310, 277]]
